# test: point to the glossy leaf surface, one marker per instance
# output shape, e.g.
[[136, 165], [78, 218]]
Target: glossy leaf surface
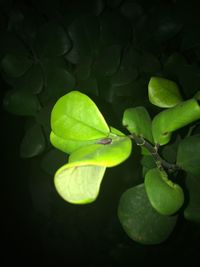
[[138, 121], [173, 119], [163, 93], [165, 196], [75, 116], [140, 220]]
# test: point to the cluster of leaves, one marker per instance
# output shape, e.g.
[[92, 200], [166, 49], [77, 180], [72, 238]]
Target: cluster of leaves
[[108, 50], [79, 129]]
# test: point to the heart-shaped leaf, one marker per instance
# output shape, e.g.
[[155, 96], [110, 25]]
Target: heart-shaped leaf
[[173, 119], [21, 103], [189, 154], [75, 116], [165, 196], [163, 93], [138, 121], [140, 220], [80, 184]]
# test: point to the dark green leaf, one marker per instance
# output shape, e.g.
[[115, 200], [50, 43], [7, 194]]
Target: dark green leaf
[[32, 80], [115, 29], [52, 40], [108, 61], [58, 82], [14, 65], [149, 63], [21, 103], [124, 76], [84, 32], [52, 160], [33, 142], [192, 210], [88, 86], [188, 156], [139, 219], [131, 10]]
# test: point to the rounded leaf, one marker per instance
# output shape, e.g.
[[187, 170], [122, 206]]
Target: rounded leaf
[[52, 40], [32, 80], [192, 210], [138, 121], [52, 160], [140, 220], [107, 152], [15, 65], [67, 145], [80, 184], [75, 116], [21, 103], [163, 93], [33, 142], [188, 156], [165, 196], [173, 119]]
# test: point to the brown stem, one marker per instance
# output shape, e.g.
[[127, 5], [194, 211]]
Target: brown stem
[[153, 150]]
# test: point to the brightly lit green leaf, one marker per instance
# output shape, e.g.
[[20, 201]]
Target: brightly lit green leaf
[[75, 116], [173, 119], [80, 184], [163, 93]]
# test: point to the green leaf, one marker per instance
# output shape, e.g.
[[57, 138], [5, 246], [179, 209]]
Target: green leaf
[[80, 184], [52, 40], [58, 82], [52, 160], [149, 63], [197, 95], [165, 196], [140, 220], [173, 119], [124, 76], [21, 103], [132, 11], [138, 121], [192, 210], [115, 29], [32, 80], [84, 32], [68, 145], [75, 116], [107, 61], [188, 156], [84, 68], [33, 142], [163, 93], [107, 152], [14, 65]]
